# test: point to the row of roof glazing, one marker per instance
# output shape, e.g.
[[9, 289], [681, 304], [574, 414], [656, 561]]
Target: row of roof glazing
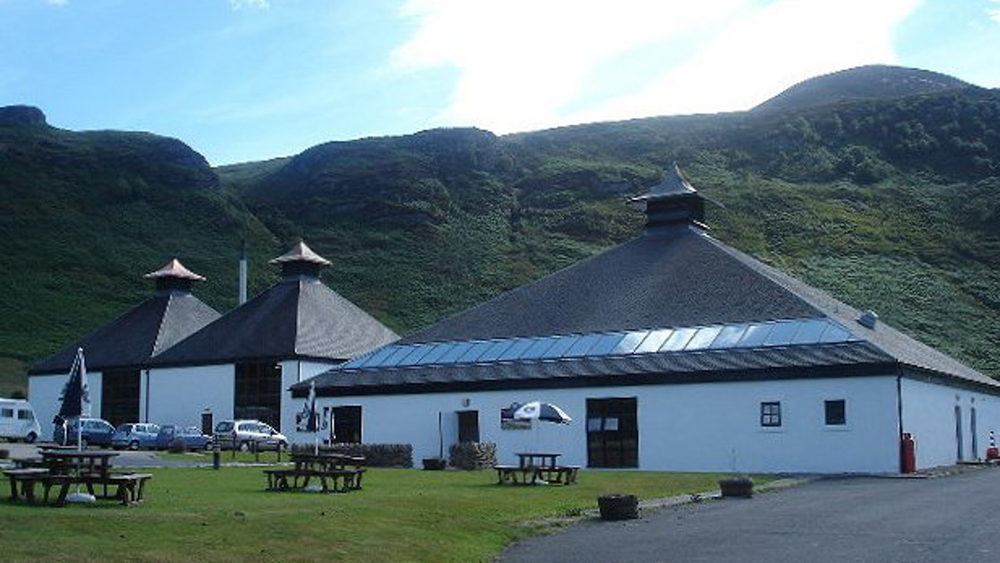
[[623, 343]]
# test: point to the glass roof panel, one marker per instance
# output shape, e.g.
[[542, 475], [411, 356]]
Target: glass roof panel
[[417, 352], [755, 335], [519, 346], [474, 351], [653, 341], [729, 336], [582, 346], [836, 333], [561, 346], [397, 356], [782, 334], [629, 342], [678, 340], [703, 338], [435, 354], [453, 354], [379, 356], [606, 343], [810, 331], [498, 347], [538, 347]]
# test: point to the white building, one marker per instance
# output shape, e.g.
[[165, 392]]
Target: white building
[[671, 352], [118, 352], [239, 365], [174, 360]]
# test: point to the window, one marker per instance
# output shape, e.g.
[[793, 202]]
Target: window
[[612, 433], [347, 425], [25, 415], [770, 414], [258, 392], [7, 413], [836, 412], [120, 396]]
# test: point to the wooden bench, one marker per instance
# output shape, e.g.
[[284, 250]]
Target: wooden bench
[[24, 480], [564, 474], [336, 480], [130, 486], [516, 474]]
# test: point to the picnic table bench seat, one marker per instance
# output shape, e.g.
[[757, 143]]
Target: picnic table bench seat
[[129, 486], [331, 479], [531, 474]]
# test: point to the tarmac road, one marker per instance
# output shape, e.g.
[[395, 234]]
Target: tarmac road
[[953, 519]]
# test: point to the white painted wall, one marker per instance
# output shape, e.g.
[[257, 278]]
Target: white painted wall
[[682, 427], [929, 415], [179, 395], [292, 372], [44, 392]]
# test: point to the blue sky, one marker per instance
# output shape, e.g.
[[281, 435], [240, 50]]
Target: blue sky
[[246, 80]]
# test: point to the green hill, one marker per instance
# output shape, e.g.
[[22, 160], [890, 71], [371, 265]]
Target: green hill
[[890, 203]]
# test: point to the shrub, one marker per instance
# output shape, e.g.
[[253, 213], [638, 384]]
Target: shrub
[[376, 455], [473, 455]]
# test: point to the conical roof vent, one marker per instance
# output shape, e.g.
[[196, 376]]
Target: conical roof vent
[[673, 201], [300, 260], [173, 276]]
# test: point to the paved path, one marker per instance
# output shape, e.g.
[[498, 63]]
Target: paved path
[[950, 519]]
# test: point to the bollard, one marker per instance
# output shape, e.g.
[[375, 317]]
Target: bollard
[[216, 457], [256, 451]]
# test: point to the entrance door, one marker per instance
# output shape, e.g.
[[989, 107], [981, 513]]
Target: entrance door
[[972, 430], [958, 432], [120, 396], [468, 426], [612, 433]]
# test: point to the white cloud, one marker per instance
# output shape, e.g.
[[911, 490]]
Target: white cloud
[[240, 4], [521, 62], [56, 2], [994, 13]]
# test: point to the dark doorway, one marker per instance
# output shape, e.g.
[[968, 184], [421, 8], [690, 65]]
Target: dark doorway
[[347, 425], [258, 393], [972, 430], [468, 426], [612, 433], [120, 396], [958, 433], [207, 424]]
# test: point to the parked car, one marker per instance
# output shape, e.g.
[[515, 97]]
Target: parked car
[[190, 436], [96, 432], [135, 436], [17, 420], [242, 434]]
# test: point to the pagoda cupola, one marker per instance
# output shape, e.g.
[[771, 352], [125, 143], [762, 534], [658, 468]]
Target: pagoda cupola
[[174, 277], [299, 262], [673, 202]]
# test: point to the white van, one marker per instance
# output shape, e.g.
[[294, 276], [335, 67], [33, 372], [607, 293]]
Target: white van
[[17, 420]]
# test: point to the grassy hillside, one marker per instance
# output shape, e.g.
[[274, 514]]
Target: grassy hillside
[[891, 204], [84, 215]]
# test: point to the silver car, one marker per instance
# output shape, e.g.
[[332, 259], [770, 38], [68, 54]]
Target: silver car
[[243, 434]]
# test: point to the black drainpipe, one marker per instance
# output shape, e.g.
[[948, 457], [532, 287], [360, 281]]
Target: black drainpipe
[[146, 418]]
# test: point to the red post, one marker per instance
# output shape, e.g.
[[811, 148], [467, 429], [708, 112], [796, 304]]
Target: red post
[[908, 454]]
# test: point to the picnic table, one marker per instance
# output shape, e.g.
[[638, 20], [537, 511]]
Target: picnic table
[[536, 467], [62, 468], [335, 472]]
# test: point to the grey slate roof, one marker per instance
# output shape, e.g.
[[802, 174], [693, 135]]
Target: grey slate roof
[[298, 317], [134, 338], [665, 278]]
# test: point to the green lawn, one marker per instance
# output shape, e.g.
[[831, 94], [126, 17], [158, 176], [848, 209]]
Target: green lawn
[[401, 515]]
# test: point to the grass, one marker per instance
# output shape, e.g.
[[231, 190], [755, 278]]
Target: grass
[[401, 515]]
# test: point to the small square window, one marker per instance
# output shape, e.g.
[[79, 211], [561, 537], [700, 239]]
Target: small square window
[[836, 412], [770, 414]]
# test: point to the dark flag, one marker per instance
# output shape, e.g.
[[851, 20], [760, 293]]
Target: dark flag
[[76, 394]]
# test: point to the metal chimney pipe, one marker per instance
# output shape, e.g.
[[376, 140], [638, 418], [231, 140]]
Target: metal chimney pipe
[[243, 271]]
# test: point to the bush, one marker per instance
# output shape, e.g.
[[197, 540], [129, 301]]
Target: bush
[[473, 455], [376, 455]]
